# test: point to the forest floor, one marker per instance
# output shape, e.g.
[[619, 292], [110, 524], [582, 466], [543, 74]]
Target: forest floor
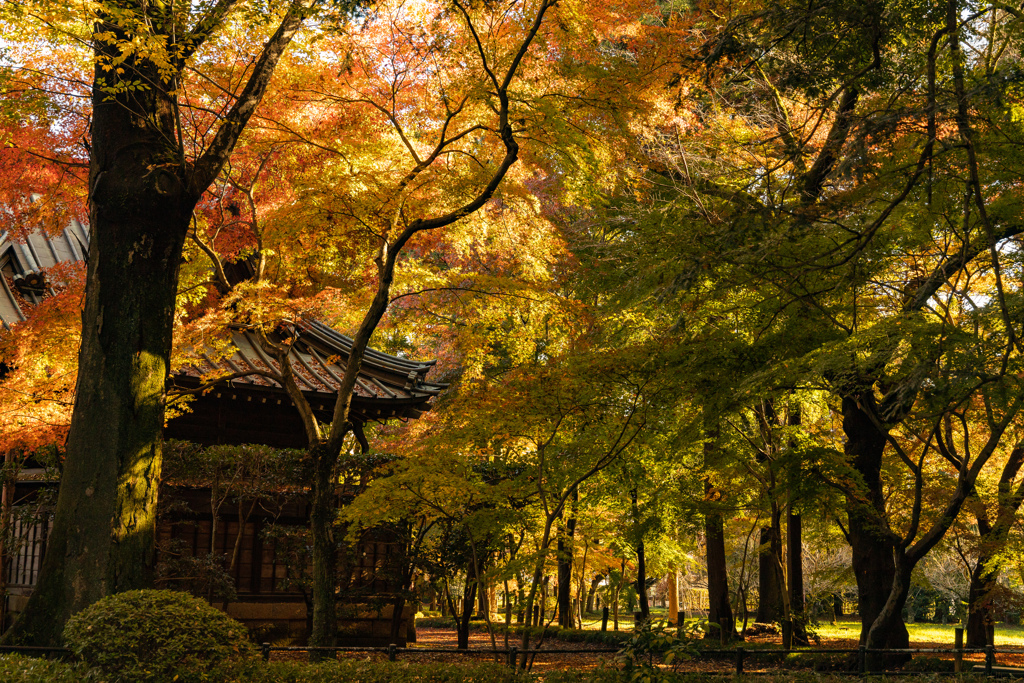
[[840, 636]]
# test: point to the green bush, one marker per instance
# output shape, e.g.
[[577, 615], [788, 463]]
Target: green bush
[[21, 669], [152, 635]]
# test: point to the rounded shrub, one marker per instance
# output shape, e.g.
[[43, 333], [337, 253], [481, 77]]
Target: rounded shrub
[[156, 635]]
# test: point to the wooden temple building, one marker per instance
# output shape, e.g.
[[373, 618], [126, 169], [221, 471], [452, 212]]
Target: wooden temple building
[[248, 410]]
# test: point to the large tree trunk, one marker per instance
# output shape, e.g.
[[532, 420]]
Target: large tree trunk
[[873, 562], [991, 542], [889, 621], [719, 610], [769, 581], [103, 535], [323, 510], [980, 624], [795, 570]]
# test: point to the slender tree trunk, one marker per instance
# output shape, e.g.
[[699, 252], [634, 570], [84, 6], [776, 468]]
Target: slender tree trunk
[[641, 581], [468, 599], [594, 583], [873, 562], [641, 561], [719, 610], [565, 559]]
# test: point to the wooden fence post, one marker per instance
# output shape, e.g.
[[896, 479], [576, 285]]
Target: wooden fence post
[[739, 660], [391, 652], [958, 647], [265, 651], [990, 658]]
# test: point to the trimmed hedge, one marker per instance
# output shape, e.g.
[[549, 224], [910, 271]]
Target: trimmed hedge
[[15, 668], [156, 636]]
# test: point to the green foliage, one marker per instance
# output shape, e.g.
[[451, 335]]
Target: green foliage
[[819, 662], [366, 672], [651, 644], [21, 669], [151, 635], [929, 664]]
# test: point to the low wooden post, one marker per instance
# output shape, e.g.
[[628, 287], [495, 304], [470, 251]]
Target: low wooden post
[[391, 652], [721, 632], [680, 622], [604, 618], [739, 660], [265, 651], [513, 657], [958, 649], [990, 658], [787, 635], [862, 657]]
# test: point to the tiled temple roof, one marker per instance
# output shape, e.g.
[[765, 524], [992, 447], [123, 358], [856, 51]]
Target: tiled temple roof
[[24, 264], [387, 386]]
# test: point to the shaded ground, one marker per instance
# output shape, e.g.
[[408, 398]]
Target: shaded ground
[[480, 642]]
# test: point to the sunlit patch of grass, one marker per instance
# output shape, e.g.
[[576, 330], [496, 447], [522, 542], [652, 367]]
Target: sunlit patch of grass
[[1007, 635]]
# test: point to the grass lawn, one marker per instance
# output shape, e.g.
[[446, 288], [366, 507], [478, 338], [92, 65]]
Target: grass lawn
[[1007, 635]]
